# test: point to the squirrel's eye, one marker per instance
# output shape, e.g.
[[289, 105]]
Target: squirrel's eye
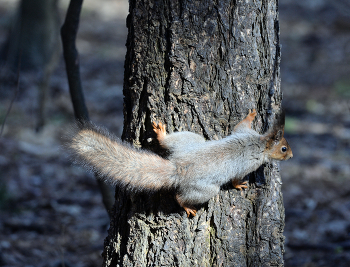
[[284, 149]]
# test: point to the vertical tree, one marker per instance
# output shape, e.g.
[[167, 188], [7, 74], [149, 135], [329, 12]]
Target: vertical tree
[[199, 66], [34, 35], [69, 32], [33, 45]]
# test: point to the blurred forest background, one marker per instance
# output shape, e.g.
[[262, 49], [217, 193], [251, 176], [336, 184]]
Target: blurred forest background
[[51, 213]]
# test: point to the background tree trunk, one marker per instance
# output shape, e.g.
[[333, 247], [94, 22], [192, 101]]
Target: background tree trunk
[[33, 45], [34, 36], [199, 66]]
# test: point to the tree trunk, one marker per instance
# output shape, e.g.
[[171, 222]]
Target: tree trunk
[[199, 66]]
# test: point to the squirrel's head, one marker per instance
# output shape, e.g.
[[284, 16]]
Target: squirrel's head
[[277, 146]]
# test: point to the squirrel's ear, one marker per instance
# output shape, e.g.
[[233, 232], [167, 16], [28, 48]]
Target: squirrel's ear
[[278, 126], [279, 135], [280, 120], [273, 137]]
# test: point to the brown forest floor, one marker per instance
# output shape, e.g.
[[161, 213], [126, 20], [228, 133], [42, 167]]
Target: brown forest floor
[[51, 212]]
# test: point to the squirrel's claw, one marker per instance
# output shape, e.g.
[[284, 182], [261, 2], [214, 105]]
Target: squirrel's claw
[[251, 115], [155, 127], [159, 129], [191, 211], [238, 185]]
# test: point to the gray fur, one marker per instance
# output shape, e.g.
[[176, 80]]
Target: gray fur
[[195, 168], [204, 166]]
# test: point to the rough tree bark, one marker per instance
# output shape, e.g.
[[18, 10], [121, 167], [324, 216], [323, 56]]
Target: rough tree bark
[[199, 66]]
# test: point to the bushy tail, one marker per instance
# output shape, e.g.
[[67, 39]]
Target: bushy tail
[[118, 162]]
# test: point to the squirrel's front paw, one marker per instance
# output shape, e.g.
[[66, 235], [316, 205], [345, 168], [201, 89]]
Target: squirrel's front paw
[[159, 129], [252, 114]]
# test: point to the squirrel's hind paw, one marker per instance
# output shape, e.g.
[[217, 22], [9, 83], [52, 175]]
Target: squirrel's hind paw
[[191, 211], [239, 185]]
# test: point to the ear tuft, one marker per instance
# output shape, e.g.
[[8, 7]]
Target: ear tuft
[[276, 132], [280, 120], [279, 135]]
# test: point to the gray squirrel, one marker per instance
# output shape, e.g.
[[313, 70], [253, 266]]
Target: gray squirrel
[[195, 168]]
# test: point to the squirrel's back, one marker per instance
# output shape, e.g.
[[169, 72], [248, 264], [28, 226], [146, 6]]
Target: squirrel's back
[[220, 160]]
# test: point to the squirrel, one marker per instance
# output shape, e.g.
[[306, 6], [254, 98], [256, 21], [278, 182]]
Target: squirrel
[[195, 168]]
